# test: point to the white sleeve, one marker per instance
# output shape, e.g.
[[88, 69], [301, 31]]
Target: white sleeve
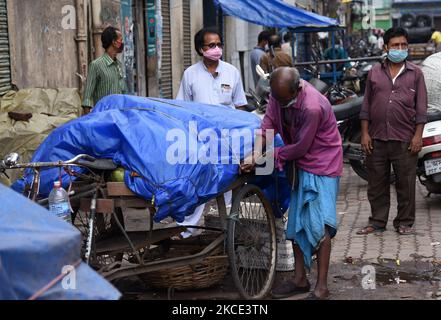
[[184, 90], [239, 98]]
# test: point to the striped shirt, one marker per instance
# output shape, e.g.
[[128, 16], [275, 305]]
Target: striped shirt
[[105, 78]]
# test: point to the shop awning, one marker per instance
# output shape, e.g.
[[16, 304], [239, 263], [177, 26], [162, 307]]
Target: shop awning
[[275, 13]]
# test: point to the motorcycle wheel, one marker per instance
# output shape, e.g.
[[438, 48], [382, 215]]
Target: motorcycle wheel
[[359, 166]]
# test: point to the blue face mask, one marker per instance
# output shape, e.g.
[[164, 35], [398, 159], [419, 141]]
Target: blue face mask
[[397, 56]]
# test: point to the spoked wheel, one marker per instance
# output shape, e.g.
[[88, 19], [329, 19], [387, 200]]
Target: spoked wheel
[[251, 243], [104, 227]]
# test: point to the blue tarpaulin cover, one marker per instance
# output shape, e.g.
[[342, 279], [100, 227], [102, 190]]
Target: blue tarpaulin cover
[[275, 13], [138, 133], [35, 247]]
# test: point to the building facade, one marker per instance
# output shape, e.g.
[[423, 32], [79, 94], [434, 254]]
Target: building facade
[[50, 43]]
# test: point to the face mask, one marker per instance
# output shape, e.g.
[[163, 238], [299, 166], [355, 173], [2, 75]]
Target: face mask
[[266, 47], [397, 56], [121, 46], [213, 54], [289, 104]]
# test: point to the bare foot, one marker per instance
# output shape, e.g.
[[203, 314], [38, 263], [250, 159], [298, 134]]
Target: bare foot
[[302, 282], [321, 293]]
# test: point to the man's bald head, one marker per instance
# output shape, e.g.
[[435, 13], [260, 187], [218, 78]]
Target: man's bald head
[[286, 76], [285, 84]]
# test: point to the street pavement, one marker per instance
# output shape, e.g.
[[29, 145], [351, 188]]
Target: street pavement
[[400, 267], [406, 267], [353, 211]]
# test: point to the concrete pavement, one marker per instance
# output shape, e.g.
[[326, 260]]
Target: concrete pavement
[[353, 211]]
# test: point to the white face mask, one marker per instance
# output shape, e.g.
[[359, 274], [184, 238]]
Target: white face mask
[[266, 47], [289, 104]]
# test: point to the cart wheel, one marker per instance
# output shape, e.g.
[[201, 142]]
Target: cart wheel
[[105, 227], [251, 243]]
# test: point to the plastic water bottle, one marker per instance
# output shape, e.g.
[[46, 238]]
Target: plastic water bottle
[[59, 202]]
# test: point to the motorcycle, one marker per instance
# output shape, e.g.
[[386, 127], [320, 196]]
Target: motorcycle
[[429, 158], [362, 70], [259, 99], [349, 126], [337, 93], [360, 48]]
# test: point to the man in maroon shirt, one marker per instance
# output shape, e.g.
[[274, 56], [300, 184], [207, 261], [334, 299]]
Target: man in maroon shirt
[[306, 122], [392, 122]]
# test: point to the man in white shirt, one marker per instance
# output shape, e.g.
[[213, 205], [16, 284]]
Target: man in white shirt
[[211, 81], [372, 39], [286, 45], [380, 42], [380, 39]]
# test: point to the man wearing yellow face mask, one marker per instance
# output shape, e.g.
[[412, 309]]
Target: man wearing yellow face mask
[[436, 39]]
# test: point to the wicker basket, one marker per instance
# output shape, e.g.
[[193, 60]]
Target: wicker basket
[[210, 271]]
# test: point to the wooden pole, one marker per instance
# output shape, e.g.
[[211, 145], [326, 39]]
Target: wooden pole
[[97, 28], [81, 39]]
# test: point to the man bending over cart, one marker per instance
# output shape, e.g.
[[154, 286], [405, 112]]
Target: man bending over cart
[[305, 120]]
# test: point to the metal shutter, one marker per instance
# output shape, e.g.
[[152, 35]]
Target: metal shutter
[[5, 65], [186, 32], [166, 59]]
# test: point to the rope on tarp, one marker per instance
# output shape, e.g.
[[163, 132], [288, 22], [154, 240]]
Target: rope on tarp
[[52, 283]]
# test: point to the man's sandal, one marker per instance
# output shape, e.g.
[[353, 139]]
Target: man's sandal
[[370, 229], [405, 230], [312, 296], [288, 289]]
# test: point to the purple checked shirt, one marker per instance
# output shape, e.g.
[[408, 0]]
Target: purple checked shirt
[[393, 110], [309, 132]]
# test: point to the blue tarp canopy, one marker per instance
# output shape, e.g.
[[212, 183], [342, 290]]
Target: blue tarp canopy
[[184, 153], [275, 13], [35, 247]]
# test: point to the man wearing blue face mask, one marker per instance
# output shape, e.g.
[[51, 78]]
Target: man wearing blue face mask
[[392, 122]]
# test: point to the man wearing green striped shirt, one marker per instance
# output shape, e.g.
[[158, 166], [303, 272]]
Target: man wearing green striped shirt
[[105, 75]]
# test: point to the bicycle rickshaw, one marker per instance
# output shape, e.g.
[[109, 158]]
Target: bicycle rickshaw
[[243, 238]]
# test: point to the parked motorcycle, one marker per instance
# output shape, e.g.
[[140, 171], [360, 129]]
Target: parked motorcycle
[[349, 126], [360, 48], [429, 159], [363, 68], [260, 98], [336, 93]]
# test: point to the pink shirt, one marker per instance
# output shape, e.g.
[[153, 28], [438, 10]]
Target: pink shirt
[[393, 109], [311, 138]]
